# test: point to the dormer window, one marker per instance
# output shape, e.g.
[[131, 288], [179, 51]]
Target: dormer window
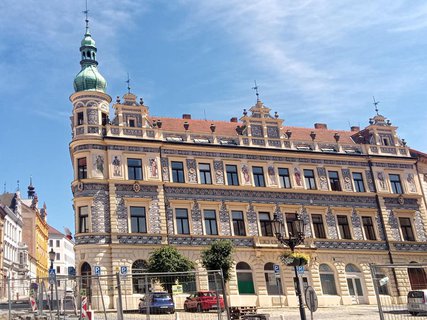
[[79, 118], [386, 142], [132, 123], [104, 119]]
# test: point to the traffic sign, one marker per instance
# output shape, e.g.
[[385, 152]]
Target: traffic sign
[[276, 269], [52, 276], [123, 271], [97, 270], [311, 299], [300, 270], [71, 272]]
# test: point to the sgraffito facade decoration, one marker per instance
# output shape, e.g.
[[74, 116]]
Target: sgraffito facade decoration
[[253, 172]]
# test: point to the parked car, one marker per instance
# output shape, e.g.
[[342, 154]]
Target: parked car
[[417, 301], [203, 301], [157, 302]]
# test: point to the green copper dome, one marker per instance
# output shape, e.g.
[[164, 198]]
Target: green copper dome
[[89, 78]]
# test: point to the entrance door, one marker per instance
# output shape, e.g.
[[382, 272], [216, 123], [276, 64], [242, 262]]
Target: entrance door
[[355, 288]]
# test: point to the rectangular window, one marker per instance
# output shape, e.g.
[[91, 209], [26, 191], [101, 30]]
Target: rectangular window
[[358, 182], [368, 227], [290, 218], [58, 269], [79, 118], [232, 177], [58, 256], [406, 228], [83, 219], [182, 223], [238, 223], [138, 220], [57, 243], [177, 172], [132, 123], [205, 173], [285, 181], [50, 243], [82, 168], [210, 222], [258, 173], [310, 182], [319, 228], [334, 180], [265, 224], [104, 119], [344, 227], [396, 185], [134, 169]]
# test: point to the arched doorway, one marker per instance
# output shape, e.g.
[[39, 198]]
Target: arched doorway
[[245, 282], [273, 283], [354, 284], [138, 279], [86, 274], [417, 278]]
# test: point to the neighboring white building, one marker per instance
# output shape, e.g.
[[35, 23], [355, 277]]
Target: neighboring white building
[[63, 246], [15, 263]]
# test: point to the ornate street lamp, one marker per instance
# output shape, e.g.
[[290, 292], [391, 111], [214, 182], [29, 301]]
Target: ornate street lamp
[[292, 241], [52, 255]]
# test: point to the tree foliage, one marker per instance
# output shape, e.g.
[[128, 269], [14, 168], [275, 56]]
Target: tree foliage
[[219, 257], [168, 259]]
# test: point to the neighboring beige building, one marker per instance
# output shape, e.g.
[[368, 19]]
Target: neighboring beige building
[[141, 181]]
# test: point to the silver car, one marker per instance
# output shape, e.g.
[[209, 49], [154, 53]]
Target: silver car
[[417, 301]]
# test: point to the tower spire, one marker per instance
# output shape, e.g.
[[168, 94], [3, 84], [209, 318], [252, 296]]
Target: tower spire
[[128, 82], [86, 12], [376, 105], [31, 190], [256, 91]]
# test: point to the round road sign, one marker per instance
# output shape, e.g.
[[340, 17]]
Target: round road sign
[[311, 299]]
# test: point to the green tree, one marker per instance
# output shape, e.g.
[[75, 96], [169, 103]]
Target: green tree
[[168, 259], [219, 257]]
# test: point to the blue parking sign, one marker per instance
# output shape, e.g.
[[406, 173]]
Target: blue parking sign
[[97, 270], [123, 270], [276, 268]]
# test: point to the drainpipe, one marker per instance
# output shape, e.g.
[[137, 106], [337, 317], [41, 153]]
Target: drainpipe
[[380, 214]]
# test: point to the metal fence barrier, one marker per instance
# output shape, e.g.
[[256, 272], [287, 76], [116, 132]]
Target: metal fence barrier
[[401, 290]]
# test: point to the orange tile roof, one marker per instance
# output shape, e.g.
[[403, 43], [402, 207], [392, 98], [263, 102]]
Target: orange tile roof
[[228, 128], [52, 230]]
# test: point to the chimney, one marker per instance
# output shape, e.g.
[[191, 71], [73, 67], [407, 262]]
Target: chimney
[[186, 116], [355, 129], [234, 119], [320, 126]]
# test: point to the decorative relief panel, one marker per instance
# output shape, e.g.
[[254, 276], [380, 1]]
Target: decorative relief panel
[[92, 116], [92, 239], [272, 175], [258, 142], [224, 220], [139, 239], [192, 170], [411, 247], [287, 144], [93, 130], [256, 131], [322, 178], [154, 217], [419, 227], [219, 172], [411, 182], [246, 176], [133, 132], [278, 213], [205, 241], [349, 245], [382, 185], [380, 226], [98, 166], [154, 169], [346, 175], [245, 141], [117, 165], [370, 181], [169, 217], [298, 177], [122, 215], [331, 225], [196, 217], [397, 203], [165, 169], [272, 132], [394, 225], [306, 218], [274, 143], [252, 221], [357, 225]]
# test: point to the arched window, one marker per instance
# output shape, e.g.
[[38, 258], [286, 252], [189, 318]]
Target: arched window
[[86, 273], [351, 268], [417, 278], [327, 280], [138, 280], [245, 282], [272, 283]]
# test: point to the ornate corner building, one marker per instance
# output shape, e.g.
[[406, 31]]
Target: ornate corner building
[[142, 181]]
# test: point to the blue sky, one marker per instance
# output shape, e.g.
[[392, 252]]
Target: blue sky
[[314, 61]]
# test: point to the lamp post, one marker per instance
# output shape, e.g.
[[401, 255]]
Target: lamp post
[[296, 237], [52, 255]]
